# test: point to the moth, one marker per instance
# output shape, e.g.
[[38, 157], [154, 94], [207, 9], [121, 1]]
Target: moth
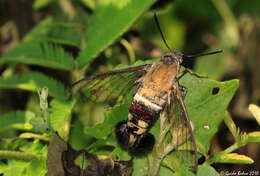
[[157, 91]]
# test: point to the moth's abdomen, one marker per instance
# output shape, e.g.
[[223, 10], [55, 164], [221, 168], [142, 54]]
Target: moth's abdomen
[[133, 134]]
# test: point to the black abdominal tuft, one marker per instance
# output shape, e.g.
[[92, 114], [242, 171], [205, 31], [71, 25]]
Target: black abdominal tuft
[[122, 134], [143, 144]]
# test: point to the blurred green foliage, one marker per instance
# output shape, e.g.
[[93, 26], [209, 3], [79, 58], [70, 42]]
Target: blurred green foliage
[[71, 39]]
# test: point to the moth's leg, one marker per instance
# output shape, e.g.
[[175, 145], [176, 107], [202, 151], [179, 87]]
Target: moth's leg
[[191, 72]]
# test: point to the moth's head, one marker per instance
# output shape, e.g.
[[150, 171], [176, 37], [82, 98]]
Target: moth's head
[[172, 57], [176, 56]]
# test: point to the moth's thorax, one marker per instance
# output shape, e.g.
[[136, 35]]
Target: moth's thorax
[[160, 76]]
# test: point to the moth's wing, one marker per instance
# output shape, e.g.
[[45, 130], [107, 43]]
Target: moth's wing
[[182, 128], [110, 87]]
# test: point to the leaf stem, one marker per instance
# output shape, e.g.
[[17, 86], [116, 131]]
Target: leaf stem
[[236, 145], [129, 49]]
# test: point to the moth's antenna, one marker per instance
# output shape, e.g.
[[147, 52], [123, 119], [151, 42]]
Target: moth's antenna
[[160, 30], [203, 54]]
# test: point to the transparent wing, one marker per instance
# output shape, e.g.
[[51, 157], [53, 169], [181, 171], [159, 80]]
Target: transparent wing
[[110, 87], [181, 130]]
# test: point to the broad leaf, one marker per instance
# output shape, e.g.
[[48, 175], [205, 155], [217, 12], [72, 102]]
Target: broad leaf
[[207, 170], [60, 117], [206, 102], [110, 20]]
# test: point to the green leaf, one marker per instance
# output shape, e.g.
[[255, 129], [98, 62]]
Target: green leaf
[[254, 137], [183, 171], [60, 117], [255, 110], [60, 30], [37, 167], [140, 166], [166, 171], [206, 102], [41, 29], [42, 54], [206, 170], [78, 139], [110, 20], [15, 120], [30, 162], [22, 168], [89, 3], [12, 145], [213, 66], [42, 3], [14, 168], [231, 158], [35, 148], [32, 80], [102, 130]]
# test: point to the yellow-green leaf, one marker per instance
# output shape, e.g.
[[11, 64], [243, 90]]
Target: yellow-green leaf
[[232, 158], [255, 110], [254, 137]]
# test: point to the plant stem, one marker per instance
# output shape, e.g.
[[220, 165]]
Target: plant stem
[[129, 49], [35, 136], [160, 149], [229, 19], [7, 154], [155, 165], [67, 7], [234, 147]]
